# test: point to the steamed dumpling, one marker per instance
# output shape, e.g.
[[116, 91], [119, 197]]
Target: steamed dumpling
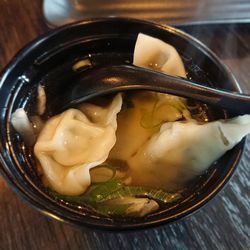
[[73, 142], [183, 150], [151, 53]]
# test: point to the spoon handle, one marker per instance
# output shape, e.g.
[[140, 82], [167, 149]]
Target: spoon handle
[[160, 82], [111, 79]]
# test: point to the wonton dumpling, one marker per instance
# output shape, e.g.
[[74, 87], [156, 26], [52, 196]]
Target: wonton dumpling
[[183, 150], [153, 53], [72, 143]]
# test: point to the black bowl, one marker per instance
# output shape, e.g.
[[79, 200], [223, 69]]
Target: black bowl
[[49, 60]]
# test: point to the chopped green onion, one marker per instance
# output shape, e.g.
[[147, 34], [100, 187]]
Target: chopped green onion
[[102, 173], [175, 101], [147, 119]]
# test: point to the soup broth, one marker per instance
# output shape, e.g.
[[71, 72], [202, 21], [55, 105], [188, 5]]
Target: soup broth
[[145, 102]]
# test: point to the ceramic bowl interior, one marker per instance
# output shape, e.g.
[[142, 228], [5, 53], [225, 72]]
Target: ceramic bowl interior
[[49, 59]]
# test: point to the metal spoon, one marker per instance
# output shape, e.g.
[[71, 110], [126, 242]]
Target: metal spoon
[[111, 79]]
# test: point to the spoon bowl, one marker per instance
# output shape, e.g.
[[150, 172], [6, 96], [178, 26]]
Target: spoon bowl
[[110, 79]]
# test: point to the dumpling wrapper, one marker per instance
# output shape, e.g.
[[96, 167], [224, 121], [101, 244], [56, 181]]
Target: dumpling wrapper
[[71, 143], [184, 150], [155, 54], [151, 53]]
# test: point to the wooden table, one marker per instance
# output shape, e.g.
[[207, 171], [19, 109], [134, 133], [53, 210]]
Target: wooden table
[[223, 224]]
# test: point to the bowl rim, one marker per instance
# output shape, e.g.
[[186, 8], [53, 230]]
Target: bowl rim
[[61, 217]]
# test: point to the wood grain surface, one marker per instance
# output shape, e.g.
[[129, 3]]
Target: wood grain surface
[[223, 224]]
